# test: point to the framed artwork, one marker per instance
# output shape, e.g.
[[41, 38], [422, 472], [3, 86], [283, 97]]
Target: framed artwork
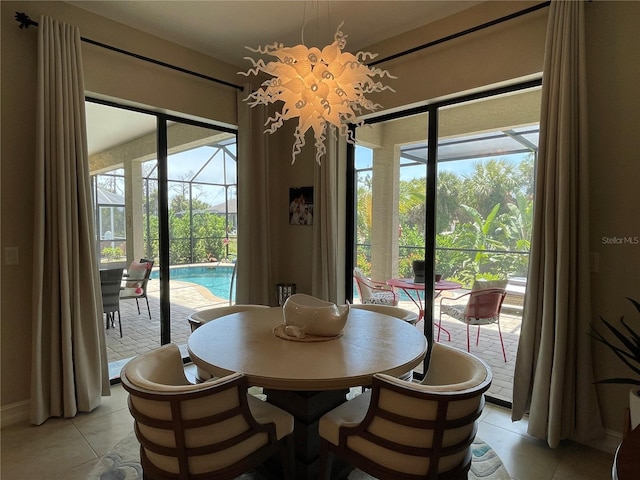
[[301, 206]]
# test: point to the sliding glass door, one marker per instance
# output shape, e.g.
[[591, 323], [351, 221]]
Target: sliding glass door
[[462, 202], [165, 192]]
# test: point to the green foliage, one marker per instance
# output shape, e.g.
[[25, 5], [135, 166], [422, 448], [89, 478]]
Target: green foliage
[[412, 241], [112, 253], [209, 239], [447, 201], [626, 347], [364, 211], [489, 212], [492, 182]]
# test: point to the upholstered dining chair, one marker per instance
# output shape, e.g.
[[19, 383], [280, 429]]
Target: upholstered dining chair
[[402, 430], [397, 312], [483, 307], [372, 292], [201, 317], [209, 430], [110, 280], [136, 280]]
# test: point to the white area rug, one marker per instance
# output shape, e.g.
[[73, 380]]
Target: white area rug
[[123, 463]]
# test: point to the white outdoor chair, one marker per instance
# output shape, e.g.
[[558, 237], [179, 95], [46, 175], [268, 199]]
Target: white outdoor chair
[[373, 292]]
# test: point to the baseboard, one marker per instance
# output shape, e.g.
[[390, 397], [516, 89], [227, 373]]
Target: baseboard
[[609, 443], [15, 413]]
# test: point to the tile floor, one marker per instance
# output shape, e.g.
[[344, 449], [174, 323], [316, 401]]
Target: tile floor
[[68, 449]]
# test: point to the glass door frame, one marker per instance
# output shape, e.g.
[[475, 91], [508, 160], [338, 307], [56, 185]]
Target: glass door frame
[[162, 120], [430, 194]]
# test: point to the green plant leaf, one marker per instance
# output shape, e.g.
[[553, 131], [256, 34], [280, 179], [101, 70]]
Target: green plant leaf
[[627, 347]]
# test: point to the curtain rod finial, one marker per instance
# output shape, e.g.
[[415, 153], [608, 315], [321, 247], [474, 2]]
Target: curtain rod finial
[[25, 21]]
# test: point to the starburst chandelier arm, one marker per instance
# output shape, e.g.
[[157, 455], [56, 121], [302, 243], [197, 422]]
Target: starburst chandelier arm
[[347, 134], [259, 97], [297, 145], [350, 135], [259, 66], [275, 122], [266, 49], [321, 148], [373, 87], [381, 73], [362, 57]]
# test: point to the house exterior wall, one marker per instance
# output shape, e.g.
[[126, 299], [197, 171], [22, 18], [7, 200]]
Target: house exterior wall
[[500, 54]]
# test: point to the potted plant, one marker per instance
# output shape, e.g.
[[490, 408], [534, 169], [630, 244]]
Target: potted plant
[[627, 348]]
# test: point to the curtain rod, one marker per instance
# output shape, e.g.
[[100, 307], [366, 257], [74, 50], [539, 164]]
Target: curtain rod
[[462, 33], [26, 22]]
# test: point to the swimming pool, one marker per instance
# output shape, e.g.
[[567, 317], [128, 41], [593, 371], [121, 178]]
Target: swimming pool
[[216, 279]]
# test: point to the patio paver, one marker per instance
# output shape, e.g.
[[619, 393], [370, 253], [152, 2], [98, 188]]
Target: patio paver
[[141, 334]]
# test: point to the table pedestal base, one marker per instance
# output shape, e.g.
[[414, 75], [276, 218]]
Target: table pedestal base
[[306, 408]]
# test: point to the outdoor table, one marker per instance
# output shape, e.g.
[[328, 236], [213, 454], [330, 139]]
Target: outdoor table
[[412, 289], [307, 378]]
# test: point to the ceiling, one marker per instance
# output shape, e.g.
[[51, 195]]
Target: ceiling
[[222, 29]]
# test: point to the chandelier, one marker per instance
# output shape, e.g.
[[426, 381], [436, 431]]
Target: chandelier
[[325, 89]]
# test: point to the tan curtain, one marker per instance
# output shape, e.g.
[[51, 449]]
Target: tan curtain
[[553, 378], [324, 269], [69, 361], [254, 257]]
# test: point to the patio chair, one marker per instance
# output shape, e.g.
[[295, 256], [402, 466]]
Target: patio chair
[[482, 308], [373, 292], [401, 430], [210, 430], [110, 280], [136, 280]]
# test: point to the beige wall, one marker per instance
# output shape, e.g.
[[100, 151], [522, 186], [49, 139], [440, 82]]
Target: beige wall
[[613, 69], [496, 55]]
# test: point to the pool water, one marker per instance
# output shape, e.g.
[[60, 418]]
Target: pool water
[[216, 279]]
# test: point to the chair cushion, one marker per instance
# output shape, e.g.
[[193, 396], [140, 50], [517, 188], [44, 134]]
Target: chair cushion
[[136, 274], [458, 312], [455, 311], [265, 412], [451, 369], [208, 314], [393, 311], [348, 414], [128, 292], [380, 298], [158, 370]]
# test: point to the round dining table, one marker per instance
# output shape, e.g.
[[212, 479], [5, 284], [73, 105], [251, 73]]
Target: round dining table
[[310, 376]]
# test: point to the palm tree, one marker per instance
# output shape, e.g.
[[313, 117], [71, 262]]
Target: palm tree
[[478, 235]]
